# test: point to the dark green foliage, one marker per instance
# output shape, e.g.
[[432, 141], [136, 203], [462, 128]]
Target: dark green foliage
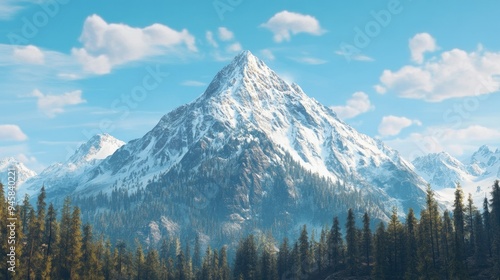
[[436, 246]]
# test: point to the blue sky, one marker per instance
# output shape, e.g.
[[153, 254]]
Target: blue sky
[[422, 77]]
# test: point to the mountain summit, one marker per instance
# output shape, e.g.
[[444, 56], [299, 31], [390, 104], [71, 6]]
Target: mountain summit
[[60, 179], [252, 153]]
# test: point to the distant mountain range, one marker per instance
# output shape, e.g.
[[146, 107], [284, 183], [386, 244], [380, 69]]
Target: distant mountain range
[[443, 172], [61, 179], [22, 172]]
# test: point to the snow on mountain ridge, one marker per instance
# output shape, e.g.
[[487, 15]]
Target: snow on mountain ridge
[[443, 172], [23, 173], [59, 177], [247, 98]]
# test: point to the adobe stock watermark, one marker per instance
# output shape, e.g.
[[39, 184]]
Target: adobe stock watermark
[[11, 219], [223, 6], [363, 36], [127, 102], [32, 25]]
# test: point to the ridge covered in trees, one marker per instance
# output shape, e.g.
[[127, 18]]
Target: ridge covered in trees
[[460, 244]]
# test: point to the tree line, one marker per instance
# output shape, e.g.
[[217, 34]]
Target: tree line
[[463, 243]]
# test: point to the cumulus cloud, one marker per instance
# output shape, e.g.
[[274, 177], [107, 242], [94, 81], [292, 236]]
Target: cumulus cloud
[[454, 74], [358, 104], [51, 105], [437, 139], [11, 132], [392, 125], [285, 24], [225, 34], [29, 54], [420, 44], [106, 45]]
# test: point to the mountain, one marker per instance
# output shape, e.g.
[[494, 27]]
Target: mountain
[[443, 172], [22, 172], [253, 153], [60, 179]]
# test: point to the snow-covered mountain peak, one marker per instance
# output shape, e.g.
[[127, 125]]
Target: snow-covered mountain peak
[[99, 147], [23, 172], [247, 80]]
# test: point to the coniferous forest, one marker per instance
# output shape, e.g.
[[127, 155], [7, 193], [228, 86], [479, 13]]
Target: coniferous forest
[[463, 243]]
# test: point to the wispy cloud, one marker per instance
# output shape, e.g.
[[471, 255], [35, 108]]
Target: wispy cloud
[[309, 60], [191, 83]]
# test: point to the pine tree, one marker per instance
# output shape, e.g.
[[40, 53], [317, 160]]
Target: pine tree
[[495, 225], [283, 259], [434, 225], [246, 259], [367, 240], [381, 267], [197, 252], [487, 225], [394, 234], [152, 267], [459, 266], [411, 246], [305, 256], [91, 266], [225, 271], [322, 251], [469, 225], [479, 240], [139, 262], [352, 242], [75, 245], [335, 244], [447, 237]]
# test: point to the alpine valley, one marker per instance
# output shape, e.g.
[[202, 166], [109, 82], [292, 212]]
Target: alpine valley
[[253, 154]]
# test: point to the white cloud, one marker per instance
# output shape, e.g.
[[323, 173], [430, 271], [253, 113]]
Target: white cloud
[[355, 56], [191, 83], [51, 105], [437, 139], [106, 45], [210, 39], [235, 47], [421, 43], [267, 54], [225, 34], [285, 23], [11, 132], [29, 54], [392, 125], [229, 46], [310, 60], [9, 8], [455, 73], [358, 104]]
